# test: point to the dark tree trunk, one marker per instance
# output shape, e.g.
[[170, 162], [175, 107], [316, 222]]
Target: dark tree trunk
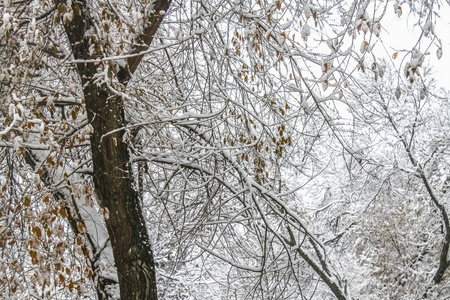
[[112, 176], [113, 185]]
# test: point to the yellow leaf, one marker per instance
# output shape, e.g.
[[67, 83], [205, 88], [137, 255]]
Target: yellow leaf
[[394, 56]]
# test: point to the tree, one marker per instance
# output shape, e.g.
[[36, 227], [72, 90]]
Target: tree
[[180, 136], [402, 176], [111, 174]]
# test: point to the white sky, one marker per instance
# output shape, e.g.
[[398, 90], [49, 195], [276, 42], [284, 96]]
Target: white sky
[[403, 35]]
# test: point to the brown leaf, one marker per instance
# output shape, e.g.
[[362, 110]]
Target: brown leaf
[[26, 202], [325, 84], [439, 53], [62, 212], [37, 232]]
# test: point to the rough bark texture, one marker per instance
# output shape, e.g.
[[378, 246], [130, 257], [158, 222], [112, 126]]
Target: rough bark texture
[[113, 185], [113, 180]]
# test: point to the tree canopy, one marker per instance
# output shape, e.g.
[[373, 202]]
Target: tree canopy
[[263, 149]]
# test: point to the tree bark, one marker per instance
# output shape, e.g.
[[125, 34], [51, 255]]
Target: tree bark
[[113, 181]]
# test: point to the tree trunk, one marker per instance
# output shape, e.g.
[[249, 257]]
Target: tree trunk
[[112, 176], [114, 190]]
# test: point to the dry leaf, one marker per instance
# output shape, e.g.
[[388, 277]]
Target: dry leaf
[[279, 5], [439, 53]]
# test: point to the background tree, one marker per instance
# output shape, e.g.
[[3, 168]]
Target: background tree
[[193, 137], [393, 196]]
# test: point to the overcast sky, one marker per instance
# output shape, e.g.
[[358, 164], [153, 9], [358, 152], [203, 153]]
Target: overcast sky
[[402, 34]]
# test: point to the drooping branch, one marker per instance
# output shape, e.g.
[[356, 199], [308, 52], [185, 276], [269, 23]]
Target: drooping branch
[[320, 271], [321, 268]]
